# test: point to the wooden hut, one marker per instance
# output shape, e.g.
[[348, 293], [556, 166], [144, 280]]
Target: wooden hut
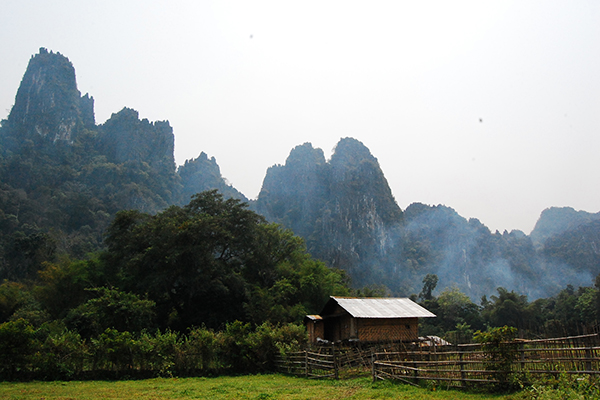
[[366, 320]]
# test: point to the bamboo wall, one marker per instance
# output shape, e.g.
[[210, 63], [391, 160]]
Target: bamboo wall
[[382, 329]]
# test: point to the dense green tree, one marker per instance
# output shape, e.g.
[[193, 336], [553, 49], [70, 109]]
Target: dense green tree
[[14, 296], [508, 308], [456, 316], [456, 308], [585, 307], [17, 348], [429, 283], [111, 309], [214, 261], [63, 285]]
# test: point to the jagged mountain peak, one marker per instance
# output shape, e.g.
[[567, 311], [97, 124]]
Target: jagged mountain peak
[[349, 152], [556, 220], [305, 155], [203, 173], [48, 103], [128, 132]]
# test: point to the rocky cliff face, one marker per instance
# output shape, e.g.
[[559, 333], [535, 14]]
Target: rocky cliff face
[[343, 208], [294, 194], [126, 138], [63, 178], [48, 103]]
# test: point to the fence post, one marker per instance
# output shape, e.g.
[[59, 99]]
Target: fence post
[[373, 365], [335, 361], [306, 363], [522, 356], [588, 354], [415, 366], [462, 369]]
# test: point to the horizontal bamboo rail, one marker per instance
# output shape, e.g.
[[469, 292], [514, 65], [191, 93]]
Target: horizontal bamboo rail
[[457, 364], [309, 364], [454, 364]]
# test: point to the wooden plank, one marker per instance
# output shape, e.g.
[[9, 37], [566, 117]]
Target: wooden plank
[[394, 376], [466, 371], [591, 335], [320, 360]]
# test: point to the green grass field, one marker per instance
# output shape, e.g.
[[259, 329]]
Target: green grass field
[[239, 387]]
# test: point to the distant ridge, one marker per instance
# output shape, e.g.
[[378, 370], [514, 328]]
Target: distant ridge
[[556, 220]]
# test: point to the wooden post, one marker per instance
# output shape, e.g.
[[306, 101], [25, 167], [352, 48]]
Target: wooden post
[[462, 370], [335, 361], [373, 366], [588, 354], [522, 351], [415, 366], [306, 363]]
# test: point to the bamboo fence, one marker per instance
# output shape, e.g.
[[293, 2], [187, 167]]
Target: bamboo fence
[[456, 365], [311, 364], [470, 364]]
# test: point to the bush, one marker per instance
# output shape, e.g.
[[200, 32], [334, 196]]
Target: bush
[[500, 351], [114, 350], [562, 387], [160, 353], [62, 353], [241, 350], [55, 352], [269, 341], [200, 348], [233, 347], [17, 348]]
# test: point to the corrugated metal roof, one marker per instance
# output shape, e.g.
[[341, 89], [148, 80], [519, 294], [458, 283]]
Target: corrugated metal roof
[[370, 307]]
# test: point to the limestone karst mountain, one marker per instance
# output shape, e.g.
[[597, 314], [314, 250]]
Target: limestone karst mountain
[[63, 178], [343, 208], [346, 213], [48, 103]]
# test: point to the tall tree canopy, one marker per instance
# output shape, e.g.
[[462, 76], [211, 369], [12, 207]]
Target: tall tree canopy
[[214, 261]]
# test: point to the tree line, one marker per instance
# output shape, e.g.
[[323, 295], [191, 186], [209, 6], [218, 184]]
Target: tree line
[[570, 312]]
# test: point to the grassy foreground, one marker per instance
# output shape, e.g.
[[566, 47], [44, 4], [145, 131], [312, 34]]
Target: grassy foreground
[[239, 387]]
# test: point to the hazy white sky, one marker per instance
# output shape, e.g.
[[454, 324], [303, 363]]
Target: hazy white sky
[[489, 107]]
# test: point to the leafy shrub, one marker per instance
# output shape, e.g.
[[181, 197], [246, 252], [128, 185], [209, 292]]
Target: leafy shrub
[[564, 386], [233, 347], [500, 351], [268, 340], [200, 349], [17, 347], [161, 352], [113, 350], [62, 353]]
